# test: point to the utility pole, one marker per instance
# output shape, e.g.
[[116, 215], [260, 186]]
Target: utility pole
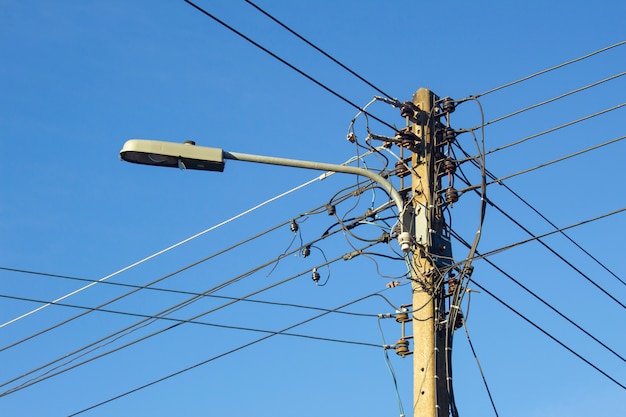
[[431, 252]]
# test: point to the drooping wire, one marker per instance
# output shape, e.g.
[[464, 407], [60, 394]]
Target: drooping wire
[[480, 369], [283, 61], [528, 77], [391, 370], [302, 38], [221, 355]]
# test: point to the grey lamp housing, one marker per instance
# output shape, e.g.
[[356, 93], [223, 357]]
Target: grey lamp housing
[[175, 155]]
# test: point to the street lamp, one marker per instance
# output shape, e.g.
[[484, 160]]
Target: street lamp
[[189, 156]]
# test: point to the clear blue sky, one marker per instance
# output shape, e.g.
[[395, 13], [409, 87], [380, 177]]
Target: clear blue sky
[[77, 79]]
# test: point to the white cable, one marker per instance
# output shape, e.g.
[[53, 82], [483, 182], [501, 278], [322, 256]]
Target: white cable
[[182, 242], [319, 178]]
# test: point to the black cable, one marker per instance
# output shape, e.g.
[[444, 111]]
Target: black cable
[[204, 323], [539, 237], [548, 334], [526, 203], [215, 357], [293, 67], [215, 296], [318, 49], [163, 278], [480, 369], [544, 302], [143, 323]]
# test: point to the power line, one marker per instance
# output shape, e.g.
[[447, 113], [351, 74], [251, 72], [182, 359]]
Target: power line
[[544, 302], [203, 323], [318, 49], [166, 290], [551, 69], [539, 237], [189, 368], [314, 211], [526, 319], [143, 323], [293, 67], [159, 253], [515, 113], [555, 128], [552, 224], [554, 161]]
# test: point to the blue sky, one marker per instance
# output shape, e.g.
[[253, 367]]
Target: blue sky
[[80, 78]]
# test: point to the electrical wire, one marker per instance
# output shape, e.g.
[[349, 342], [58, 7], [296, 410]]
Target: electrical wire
[[526, 319], [480, 369], [283, 61], [538, 237], [213, 358], [559, 97], [561, 230], [528, 77], [167, 290], [302, 38], [161, 252], [582, 119], [544, 302], [140, 324], [545, 164], [391, 370], [204, 323], [318, 178], [169, 310], [552, 224]]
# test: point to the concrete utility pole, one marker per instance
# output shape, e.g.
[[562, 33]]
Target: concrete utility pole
[[429, 354]]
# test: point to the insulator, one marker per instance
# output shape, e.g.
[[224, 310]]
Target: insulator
[[404, 240], [331, 209], [306, 251], [315, 276], [452, 195], [408, 110], [293, 226], [458, 321], [402, 317], [452, 283], [402, 347], [449, 166], [448, 105], [392, 284], [407, 139], [401, 169], [449, 135]]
